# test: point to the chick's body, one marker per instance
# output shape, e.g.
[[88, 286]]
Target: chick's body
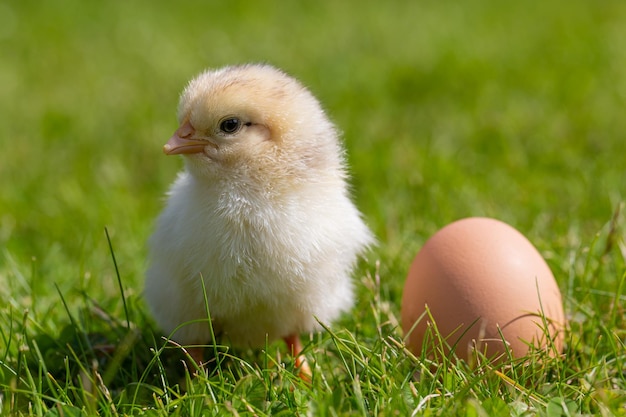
[[261, 214]]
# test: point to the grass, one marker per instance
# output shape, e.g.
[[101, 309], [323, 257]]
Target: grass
[[508, 110]]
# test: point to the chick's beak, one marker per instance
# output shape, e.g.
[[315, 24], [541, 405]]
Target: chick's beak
[[181, 141]]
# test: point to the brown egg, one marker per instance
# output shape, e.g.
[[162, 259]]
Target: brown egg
[[480, 283]]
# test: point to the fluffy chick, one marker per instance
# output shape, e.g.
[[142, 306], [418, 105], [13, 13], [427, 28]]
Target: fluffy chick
[[261, 213]]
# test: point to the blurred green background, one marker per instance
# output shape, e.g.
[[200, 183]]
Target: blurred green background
[[513, 110]]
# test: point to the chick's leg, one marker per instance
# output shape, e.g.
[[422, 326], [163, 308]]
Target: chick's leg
[[294, 346], [197, 355]]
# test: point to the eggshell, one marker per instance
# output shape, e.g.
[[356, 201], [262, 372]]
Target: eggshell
[[481, 281]]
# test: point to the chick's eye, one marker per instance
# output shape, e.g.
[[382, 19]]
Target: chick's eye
[[230, 125]]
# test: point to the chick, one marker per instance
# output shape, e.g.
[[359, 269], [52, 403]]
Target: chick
[[259, 226]]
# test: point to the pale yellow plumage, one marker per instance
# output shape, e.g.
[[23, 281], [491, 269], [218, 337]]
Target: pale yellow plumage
[[261, 212]]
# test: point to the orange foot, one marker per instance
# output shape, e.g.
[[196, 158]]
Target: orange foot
[[196, 358], [294, 346]]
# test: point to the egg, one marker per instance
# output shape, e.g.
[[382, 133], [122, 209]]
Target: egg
[[478, 285]]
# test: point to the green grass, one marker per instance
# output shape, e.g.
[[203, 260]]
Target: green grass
[[511, 110]]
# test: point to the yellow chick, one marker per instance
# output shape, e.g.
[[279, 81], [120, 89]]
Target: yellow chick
[[261, 213]]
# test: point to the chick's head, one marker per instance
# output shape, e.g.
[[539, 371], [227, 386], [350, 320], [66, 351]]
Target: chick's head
[[254, 120]]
